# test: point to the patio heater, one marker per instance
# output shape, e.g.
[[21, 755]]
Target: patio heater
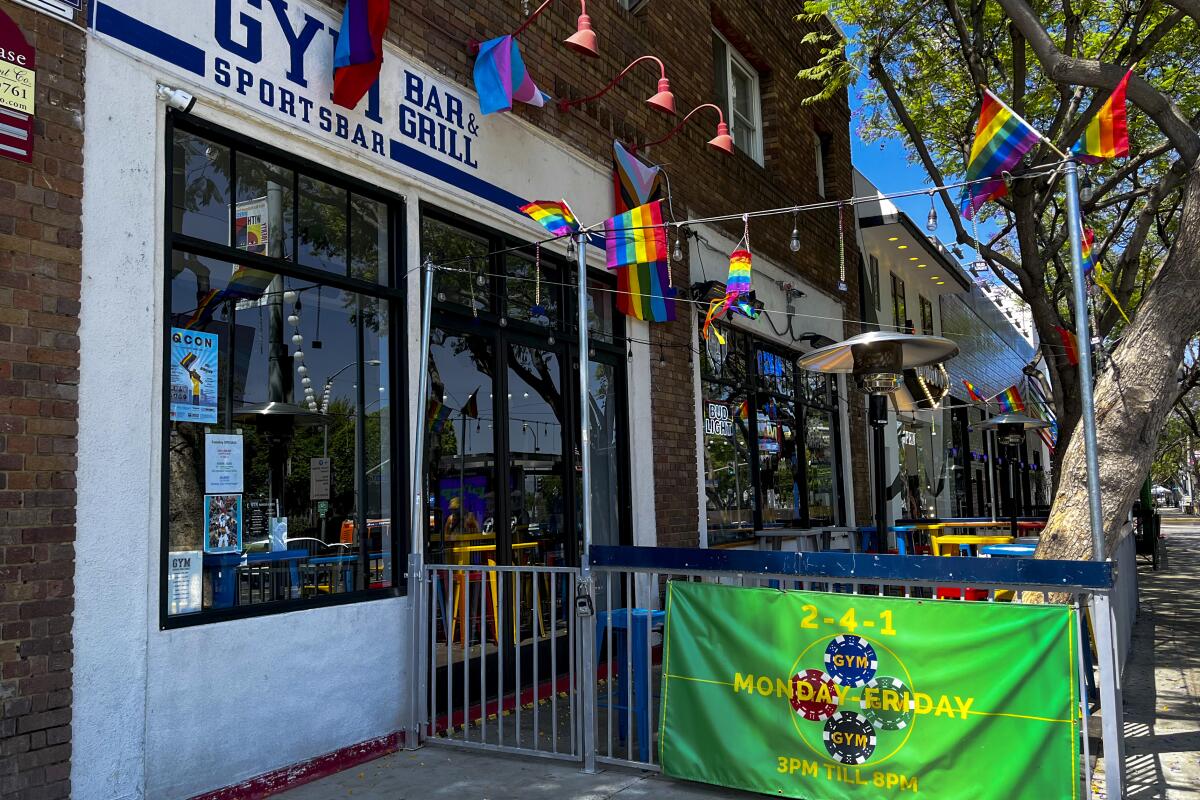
[[877, 360], [1009, 430]]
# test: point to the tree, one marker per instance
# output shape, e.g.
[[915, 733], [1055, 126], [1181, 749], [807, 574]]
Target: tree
[[928, 61]]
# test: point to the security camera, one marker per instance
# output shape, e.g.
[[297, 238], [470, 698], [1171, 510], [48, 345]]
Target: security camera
[[177, 99]]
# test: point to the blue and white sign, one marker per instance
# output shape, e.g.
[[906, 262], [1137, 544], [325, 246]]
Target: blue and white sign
[[195, 380], [276, 57]]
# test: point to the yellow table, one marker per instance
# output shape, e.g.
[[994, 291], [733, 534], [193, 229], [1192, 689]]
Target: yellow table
[[971, 539]]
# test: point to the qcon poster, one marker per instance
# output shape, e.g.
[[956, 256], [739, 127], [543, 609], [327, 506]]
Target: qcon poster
[[194, 376], [816, 695]]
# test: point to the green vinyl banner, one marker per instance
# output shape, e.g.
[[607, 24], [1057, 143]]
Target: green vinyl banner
[[815, 695]]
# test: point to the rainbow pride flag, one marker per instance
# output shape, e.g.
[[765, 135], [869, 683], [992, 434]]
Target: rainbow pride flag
[[636, 237], [358, 54], [1001, 139], [1070, 344], [737, 287], [1010, 401], [1107, 135], [555, 217], [644, 291], [972, 393], [1086, 244]]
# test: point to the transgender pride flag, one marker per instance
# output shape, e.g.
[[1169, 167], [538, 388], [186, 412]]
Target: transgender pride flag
[[358, 55]]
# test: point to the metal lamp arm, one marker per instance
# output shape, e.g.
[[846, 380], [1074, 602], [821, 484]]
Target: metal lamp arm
[[564, 105], [682, 122]]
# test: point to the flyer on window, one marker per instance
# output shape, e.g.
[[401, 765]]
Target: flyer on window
[[184, 571], [223, 463], [222, 523], [194, 376]]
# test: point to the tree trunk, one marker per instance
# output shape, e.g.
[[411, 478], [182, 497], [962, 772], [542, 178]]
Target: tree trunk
[[1133, 398]]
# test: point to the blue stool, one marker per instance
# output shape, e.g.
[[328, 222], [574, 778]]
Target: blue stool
[[621, 617]]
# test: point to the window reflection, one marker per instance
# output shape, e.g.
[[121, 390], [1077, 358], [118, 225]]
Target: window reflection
[[466, 283], [291, 529], [728, 487], [535, 436], [200, 188], [461, 469], [322, 225]]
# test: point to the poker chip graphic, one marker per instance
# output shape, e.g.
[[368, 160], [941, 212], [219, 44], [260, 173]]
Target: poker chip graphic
[[891, 711], [814, 695], [849, 738], [850, 660]]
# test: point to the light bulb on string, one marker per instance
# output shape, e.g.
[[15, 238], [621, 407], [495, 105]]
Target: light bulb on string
[[302, 370], [297, 339], [795, 243], [293, 320], [677, 253], [931, 222]]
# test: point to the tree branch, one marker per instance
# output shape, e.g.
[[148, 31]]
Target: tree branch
[[1064, 69]]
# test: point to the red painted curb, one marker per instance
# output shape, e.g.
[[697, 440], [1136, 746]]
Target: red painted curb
[[271, 783]]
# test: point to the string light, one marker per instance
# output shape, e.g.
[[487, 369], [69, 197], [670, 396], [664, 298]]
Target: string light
[[795, 243], [931, 222], [841, 249]]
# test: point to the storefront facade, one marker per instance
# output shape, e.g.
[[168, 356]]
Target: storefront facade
[[250, 309], [938, 464]]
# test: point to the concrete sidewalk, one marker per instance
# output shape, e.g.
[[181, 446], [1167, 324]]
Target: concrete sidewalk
[[1162, 676], [442, 772]]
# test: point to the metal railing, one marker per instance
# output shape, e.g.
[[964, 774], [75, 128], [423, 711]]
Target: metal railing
[[506, 648], [501, 658]]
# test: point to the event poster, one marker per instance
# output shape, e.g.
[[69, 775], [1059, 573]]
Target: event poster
[[839, 696], [194, 376], [222, 523], [223, 463], [184, 590]]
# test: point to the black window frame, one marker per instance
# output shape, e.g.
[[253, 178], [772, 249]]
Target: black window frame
[[899, 304], [802, 402], [493, 322], [392, 293]]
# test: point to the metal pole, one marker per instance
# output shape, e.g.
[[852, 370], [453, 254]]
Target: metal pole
[[585, 603], [1110, 676], [417, 676], [1083, 334], [878, 412]]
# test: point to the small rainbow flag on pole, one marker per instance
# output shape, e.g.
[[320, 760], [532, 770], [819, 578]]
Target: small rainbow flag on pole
[[1010, 401], [555, 217], [1086, 242], [358, 54], [1107, 135], [636, 237], [1002, 137], [972, 393]]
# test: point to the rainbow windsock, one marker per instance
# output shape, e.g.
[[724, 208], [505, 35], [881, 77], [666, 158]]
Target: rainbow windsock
[[555, 217], [358, 54], [1107, 135], [737, 285], [972, 393], [1010, 401], [1001, 139], [501, 77], [636, 237]]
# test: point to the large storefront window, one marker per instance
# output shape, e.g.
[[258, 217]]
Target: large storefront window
[[770, 440], [503, 461], [281, 433]]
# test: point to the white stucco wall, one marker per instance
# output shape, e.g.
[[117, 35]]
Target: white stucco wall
[[169, 714]]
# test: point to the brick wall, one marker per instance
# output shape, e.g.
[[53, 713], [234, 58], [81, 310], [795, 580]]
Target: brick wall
[[703, 182], [39, 374]]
